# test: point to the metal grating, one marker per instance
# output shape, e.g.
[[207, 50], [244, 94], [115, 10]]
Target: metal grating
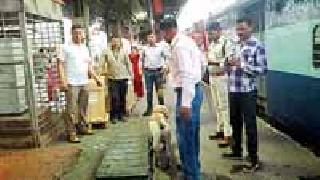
[[10, 25], [29, 92], [12, 74], [129, 155]]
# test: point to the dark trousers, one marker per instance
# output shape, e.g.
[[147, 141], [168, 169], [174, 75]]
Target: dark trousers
[[243, 110], [188, 135], [118, 91], [154, 77]]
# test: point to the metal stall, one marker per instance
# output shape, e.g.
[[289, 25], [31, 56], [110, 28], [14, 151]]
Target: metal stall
[[31, 104]]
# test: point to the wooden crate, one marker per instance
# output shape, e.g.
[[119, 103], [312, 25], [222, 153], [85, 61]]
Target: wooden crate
[[96, 103]]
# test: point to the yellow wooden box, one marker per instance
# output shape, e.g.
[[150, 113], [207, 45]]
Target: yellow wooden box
[[96, 103]]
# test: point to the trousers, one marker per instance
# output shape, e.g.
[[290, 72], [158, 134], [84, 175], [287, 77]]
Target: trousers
[[188, 135], [243, 111], [220, 100]]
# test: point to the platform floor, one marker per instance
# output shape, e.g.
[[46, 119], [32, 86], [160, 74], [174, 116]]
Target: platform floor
[[282, 158]]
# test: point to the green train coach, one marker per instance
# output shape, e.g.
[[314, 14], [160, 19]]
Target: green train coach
[[289, 96]]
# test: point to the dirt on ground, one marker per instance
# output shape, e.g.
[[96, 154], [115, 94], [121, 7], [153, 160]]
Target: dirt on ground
[[37, 164]]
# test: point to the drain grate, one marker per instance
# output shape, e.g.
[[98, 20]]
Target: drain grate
[[127, 157]]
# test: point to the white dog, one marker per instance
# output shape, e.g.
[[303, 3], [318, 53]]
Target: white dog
[[161, 133]]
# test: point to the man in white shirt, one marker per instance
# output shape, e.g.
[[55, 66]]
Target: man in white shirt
[[153, 67], [75, 65], [185, 68]]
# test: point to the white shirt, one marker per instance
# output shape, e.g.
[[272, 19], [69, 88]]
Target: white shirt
[[77, 59], [185, 67], [126, 46], [166, 49], [201, 55], [153, 56]]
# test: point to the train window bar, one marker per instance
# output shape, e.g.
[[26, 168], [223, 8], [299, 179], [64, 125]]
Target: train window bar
[[316, 46]]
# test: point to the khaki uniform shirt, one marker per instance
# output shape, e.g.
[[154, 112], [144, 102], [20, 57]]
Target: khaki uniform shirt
[[116, 65], [217, 53]]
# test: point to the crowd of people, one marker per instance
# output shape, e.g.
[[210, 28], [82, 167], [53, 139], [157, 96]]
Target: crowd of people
[[231, 67]]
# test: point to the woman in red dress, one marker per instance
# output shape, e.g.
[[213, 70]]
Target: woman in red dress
[[134, 57]]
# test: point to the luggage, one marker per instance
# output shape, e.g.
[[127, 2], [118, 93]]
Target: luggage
[[96, 103]]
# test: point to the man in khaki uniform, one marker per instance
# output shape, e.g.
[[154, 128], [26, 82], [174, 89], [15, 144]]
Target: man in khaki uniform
[[217, 55], [117, 69]]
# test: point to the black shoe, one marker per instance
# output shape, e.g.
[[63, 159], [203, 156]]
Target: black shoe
[[74, 139], [217, 136], [123, 120], [252, 167], [238, 168], [179, 167], [147, 113], [113, 121], [232, 156], [87, 132], [223, 146], [225, 142]]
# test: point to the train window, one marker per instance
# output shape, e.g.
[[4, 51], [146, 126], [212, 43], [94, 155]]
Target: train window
[[289, 12], [316, 46], [279, 5]]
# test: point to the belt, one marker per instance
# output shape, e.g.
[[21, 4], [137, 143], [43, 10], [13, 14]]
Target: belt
[[116, 80], [217, 74], [198, 84], [153, 69]]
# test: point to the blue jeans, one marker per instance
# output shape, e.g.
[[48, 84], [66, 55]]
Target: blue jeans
[[154, 78], [188, 135]]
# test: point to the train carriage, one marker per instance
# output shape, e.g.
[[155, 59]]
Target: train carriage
[[290, 93]]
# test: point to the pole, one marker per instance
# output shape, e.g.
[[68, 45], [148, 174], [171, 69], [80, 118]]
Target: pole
[[30, 91], [151, 15]]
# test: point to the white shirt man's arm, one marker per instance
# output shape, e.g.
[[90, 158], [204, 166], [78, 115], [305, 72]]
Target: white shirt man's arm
[[91, 71], [184, 58], [204, 63], [164, 56]]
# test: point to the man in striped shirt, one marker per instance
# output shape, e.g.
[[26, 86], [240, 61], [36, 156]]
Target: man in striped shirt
[[248, 60]]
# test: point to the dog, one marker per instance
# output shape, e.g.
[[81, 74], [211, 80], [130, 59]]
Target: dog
[[161, 134]]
